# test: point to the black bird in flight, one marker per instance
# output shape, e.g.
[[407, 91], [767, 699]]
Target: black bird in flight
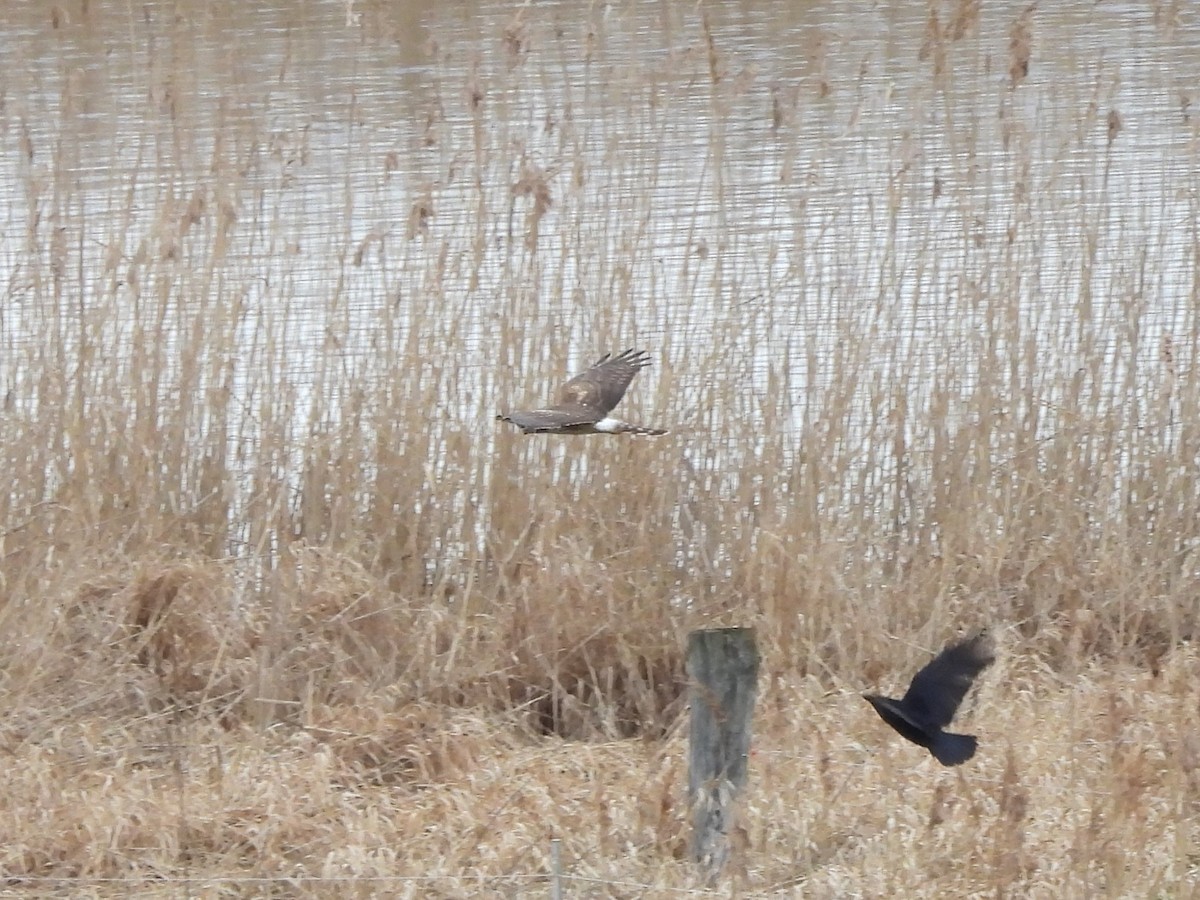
[[934, 696]]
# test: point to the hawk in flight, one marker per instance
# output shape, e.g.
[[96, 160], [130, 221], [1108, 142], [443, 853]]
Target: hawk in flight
[[584, 403], [934, 696]]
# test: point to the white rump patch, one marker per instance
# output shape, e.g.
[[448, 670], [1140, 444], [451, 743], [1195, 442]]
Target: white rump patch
[[610, 426]]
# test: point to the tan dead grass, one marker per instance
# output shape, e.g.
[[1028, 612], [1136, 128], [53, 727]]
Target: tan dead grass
[[282, 620], [1089, 784]]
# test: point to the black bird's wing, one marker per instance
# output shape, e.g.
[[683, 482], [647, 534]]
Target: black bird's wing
[[936, 691]]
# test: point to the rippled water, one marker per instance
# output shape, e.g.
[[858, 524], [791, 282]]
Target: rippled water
[[762, 184]]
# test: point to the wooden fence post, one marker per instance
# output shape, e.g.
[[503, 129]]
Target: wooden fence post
[[723, 672], [556, 891]]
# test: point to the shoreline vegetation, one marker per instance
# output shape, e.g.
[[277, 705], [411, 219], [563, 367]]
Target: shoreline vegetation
[[286, 612]]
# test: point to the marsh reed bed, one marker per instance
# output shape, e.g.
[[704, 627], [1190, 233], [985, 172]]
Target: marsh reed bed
[[285, 613]]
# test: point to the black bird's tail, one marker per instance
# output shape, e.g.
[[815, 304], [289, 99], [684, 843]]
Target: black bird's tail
[[953, 749]]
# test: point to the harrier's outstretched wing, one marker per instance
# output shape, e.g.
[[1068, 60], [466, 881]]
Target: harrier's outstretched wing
[[552, 419], [601, 387]]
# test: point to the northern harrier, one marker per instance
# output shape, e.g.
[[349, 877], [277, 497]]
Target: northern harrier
[[584, 403], [934, 697]]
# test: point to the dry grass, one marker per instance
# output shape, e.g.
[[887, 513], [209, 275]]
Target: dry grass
[[285, 614]]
